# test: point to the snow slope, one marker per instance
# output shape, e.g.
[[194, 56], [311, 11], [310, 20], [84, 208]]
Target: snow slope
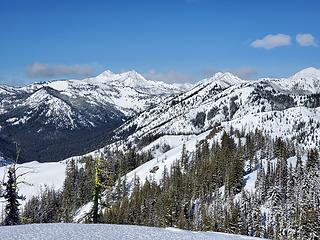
[[38, 176], [128, 92], [306, 80], [105, 231], [165, 160], [260, 104], [276, 109], [280, 107], [176, 115], [53, 115]]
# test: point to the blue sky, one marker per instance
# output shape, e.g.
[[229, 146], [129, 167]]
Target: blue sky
[[182, 40]]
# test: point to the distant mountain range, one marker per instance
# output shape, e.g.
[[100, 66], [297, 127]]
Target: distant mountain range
[[55, 120]]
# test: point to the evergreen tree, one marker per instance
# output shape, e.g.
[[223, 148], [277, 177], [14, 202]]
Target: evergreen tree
[[12, 214], [70, 200], [313, 159], [203, 190], [103, 184], [184, 156]]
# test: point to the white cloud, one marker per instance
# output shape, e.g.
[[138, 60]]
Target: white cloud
[[169, 77], [37, 69], [272, 41], [305, 39]]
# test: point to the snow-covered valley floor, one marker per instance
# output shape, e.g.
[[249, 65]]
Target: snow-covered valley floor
[[64, 231]]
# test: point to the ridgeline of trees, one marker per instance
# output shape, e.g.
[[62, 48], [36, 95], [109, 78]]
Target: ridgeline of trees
[[203, 190], [86, 180]]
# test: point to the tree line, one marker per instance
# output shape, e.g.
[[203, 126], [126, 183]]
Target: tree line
[[203, 190]]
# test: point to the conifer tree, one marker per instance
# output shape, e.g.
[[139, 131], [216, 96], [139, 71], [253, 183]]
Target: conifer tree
[[70, 200], [103, 182], [184, 157], [313, 159], [10, 194], [203, 190], [12, 214]]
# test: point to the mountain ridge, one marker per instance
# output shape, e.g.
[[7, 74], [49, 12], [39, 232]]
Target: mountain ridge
[[134, 105], [212, 102], [61, 108]]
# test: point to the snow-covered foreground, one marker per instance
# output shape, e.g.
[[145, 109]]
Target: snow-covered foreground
[[63, 231]]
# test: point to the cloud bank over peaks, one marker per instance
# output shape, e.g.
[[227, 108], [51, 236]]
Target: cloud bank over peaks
[[42, 70]]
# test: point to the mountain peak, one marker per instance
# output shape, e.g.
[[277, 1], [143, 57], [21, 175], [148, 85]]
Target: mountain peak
[[225, 76], [311, 72], [132, 74], [223, 79], [106, 74], [125, 77], [306, 80]]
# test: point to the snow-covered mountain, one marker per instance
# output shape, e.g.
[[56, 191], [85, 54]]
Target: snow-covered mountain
[[276, 107], [279, 107], [288, 108], [129, 92], [306, 81], [221, 101], [48, 119], [137, 108]]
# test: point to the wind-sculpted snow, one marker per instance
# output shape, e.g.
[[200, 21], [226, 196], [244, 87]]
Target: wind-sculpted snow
[[105, 231]]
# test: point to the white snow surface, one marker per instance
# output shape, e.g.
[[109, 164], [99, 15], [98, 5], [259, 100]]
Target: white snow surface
[[156, 147], [227, 100], [63, 231], [38, 176], [307, 79], [166, 160], [83, 212], [129, 91]]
